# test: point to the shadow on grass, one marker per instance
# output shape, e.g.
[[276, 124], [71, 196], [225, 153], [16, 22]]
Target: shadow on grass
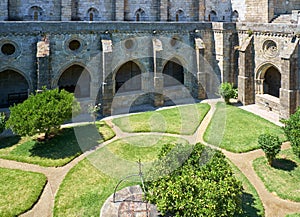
[[284, 164], [248, 206], [68, 143], [7, 142]]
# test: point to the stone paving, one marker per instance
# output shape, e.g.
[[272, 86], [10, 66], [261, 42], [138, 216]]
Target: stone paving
[[274, 206]]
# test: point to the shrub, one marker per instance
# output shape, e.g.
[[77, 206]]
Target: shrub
[[2, 122], [271, 145], [292, 131], [42, 113], [193, 182], [227, 91]]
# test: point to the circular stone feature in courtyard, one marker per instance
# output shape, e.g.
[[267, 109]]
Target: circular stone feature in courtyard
[[8, 49], [128, 203], [74, 45]]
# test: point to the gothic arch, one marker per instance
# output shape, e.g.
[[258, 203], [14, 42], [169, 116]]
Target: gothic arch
[[75, 78], [92, 14], [235, 16], [140, 15], [173, 72], [268, 80], [14, 87], [179, 16], [128, 77], [35, 13], [212, 16]]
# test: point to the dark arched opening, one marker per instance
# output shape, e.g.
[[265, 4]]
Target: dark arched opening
[[212, 16], [173, 73], [76, 80], [272, 81], [128, 78], [13, 88]]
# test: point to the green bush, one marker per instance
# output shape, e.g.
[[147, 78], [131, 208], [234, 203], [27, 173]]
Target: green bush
[[2, 122], [42, 113], [227, 91], [271, 145], [292, 131], [204, 185]]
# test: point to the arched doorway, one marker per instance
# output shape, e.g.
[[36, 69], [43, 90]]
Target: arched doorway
[[128, 78], [212, 16], [75, 79], [13, 88], [173, 73], [272, 82]]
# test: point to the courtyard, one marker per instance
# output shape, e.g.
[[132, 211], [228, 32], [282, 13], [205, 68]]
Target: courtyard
[[76, 172]]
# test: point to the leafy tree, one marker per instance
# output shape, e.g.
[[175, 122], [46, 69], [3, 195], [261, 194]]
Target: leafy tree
[[202, 185], [2, 122], [42, 113], [227, 91], [292, 131], [271, 145]]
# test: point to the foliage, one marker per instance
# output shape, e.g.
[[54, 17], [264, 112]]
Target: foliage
[[58, 151], [19, 190], [42, 113], [271, 145], [227, 91], [292, 131], [93, 110], [282, 179], [204, 185], [2, 122]]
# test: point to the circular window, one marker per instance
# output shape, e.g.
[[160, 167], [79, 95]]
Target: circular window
[[129, 44], [8, 49], [74, 45], [270, 48]]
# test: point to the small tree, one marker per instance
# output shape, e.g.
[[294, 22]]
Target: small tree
[[184, 186], [271, 145], [227, 91], [2, 122], [42, 113], [292, 131]]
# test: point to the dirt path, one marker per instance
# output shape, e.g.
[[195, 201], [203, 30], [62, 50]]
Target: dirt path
[[274, 206]]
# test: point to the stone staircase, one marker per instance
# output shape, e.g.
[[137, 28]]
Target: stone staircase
[[283, 18]]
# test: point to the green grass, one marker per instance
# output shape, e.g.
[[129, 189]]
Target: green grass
[[251, 203], [293, 215], [19, 191], [58, 151], [92, 181], [180, 120], [283, 178], [237, 130]]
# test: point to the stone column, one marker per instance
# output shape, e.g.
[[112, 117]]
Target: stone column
[[43, 64], [288, 91], [246, 92], [4, 10], [107, 86], [164, 10], [66, 10], [201, 74], [120, 8], [158, 76]]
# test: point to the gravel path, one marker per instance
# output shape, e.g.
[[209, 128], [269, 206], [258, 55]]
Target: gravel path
[[274, 206]]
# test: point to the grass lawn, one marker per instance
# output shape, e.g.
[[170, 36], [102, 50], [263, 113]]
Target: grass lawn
[[237, 130], [283, 178], [92, 181], [58, 151], [180, 120], [293, 215], [252, 205], [19, 191]]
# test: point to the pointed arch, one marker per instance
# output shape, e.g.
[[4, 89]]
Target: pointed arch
[[140, 15], [173, 73], [180, 16], [75, 79], [14, 87], [128, 77], [235, 16], [212, 16], [92, 14], [35, 13]]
